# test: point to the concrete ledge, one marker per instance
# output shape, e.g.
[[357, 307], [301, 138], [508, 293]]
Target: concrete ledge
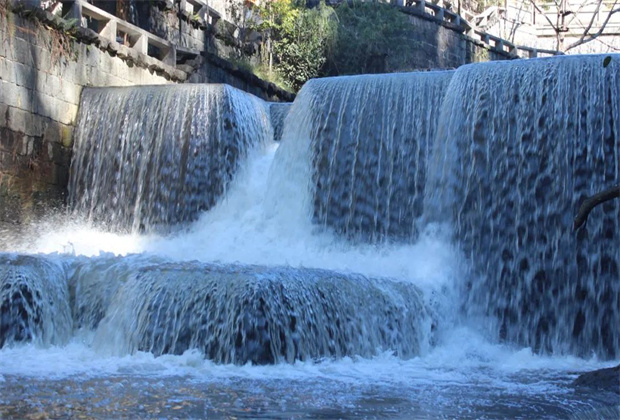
[[113, 48], [243, 74]]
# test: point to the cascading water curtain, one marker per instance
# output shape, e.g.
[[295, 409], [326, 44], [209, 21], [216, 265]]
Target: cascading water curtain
[[367, 139], [520, 145], [152, 156]]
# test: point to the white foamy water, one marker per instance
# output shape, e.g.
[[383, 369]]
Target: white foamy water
[[465, 358], [244, 228], [266, 219], [240, 229]]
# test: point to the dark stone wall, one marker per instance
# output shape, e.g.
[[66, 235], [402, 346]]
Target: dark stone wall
[[41, 78], [441, 45], [213, 69]]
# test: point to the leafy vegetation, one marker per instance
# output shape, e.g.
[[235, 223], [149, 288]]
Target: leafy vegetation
[[371, 37], [296, 39], [354, 38]]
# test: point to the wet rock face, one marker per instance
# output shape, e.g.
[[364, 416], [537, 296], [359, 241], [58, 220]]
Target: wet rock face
[[34, 301], [241, 314], [532, 142], [603, 379]]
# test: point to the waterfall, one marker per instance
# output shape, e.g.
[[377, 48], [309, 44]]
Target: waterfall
[[240, 313], [502, 153], [366, 140], [520, 145], [231, 313], [148, 157], [34, 301]]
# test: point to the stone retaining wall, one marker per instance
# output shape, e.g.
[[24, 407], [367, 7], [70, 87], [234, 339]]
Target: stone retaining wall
[[42, 72], [41, 76], [441, 45]]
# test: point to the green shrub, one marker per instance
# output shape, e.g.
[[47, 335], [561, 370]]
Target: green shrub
[[371, 37]]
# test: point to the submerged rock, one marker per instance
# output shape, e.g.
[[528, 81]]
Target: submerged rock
[[605, 379]]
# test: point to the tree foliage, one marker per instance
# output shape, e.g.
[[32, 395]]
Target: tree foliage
[[303, 49], [353, 38], [372, 37], [296, 39]]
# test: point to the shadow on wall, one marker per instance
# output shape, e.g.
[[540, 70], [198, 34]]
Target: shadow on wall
[[399, 40], [35, 164]]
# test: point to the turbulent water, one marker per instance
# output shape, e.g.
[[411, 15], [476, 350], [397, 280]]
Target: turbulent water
[[374, 278], [154, 156]]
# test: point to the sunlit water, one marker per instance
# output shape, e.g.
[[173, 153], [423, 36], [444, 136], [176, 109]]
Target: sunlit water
[[266, 218], [465, 375]]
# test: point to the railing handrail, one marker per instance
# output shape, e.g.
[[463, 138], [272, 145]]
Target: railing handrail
[[499, 44], [140, 39]]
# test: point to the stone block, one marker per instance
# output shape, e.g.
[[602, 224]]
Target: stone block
[[27, 148], [43, 59], [16, 96], [40, 80], [106, 63], [68, 71], [23, 52], [91, 57], [7, 161], [71, 93], [39, 124], [120, 69], [53, 85], [5, 51], [27, 31], [4, 110], [58, 133], [117, 81], [66, 135], [7, 70], [20, 121], [10, 140], [84, 76], [56, 109], [58, 154], [62, 89], [52, 132], [134, 74]]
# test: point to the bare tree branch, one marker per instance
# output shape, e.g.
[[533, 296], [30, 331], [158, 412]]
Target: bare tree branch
[[589, 37], [576, 13], [607, 44], [539, 10], [593, 201], [592, 19]]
